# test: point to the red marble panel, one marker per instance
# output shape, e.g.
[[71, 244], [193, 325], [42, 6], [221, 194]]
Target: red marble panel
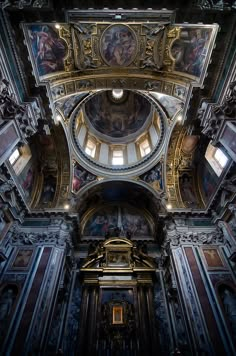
[[205, 303], [30, 304]]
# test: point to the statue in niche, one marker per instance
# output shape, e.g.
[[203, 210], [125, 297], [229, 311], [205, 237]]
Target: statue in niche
[[228, 297], [7, 298], [182, 341]]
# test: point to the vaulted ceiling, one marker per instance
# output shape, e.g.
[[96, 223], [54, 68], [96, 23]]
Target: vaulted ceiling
[[115, 99]]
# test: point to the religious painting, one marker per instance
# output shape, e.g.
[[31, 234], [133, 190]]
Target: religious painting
[[101, 222], [49, 189], [134, 223], [118, 259], [169, 103], [180, 91], [22, 259], [81, 177], [8, 139], [68, 105], [117, 314], [118, 45], [189, 143], [213, 259], [187, 191], [48, 49], [117, 118], [191, 49], [208, 181], [228, 139], [58, 91], [154, 177], [5, 221], [26, 179]]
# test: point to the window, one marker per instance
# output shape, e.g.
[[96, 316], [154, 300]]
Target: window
[[117, 157], [220, 157], [90, 148], [14, 156], [145, 147], [216, 158]]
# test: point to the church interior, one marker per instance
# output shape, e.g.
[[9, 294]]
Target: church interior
[[117, 178]]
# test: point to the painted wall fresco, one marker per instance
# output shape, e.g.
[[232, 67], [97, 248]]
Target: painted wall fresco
[[154, 177], [118, 45], [117, 119], [134, 223], [208, 181], [180, 91], [188, 194], [67, 105], [49, 189], [213, 259], [5, 220], [81, 177], [48, 49], [190, 50], [100, 222], [115, 219], [170, 104], [22, 258], [26, 179]]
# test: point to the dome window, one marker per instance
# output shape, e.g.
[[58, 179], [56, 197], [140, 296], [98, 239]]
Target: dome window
[[145, 148], [117, 157], [90, 148]]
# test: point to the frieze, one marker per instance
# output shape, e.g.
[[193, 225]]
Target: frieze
[[214, 5], [228, 192], [9, 195], [213, 118], [26, 116], [60, 238], [175, 238], [21, 4], [90, 83]]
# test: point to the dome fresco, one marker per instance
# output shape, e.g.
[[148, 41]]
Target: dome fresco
[[117, 118]]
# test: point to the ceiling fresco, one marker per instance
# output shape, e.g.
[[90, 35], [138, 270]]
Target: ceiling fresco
[[156, 65], [117, 119], [170, 104], [48, 49], [118, 45]]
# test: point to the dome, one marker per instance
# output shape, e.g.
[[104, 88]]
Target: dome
[[117, 115], [118, 130]]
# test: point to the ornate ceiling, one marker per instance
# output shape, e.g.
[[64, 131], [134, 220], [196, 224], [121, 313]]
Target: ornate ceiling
[[105, 82]]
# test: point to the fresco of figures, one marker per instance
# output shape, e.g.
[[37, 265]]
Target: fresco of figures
[[48, 49], [190, 50], [122, 220], [154, 177], [49, 189], [118, 45], [169, 103], [68, 105], [209, 181], [187, 191], [81, 177], [26, 179], [117, 119]]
